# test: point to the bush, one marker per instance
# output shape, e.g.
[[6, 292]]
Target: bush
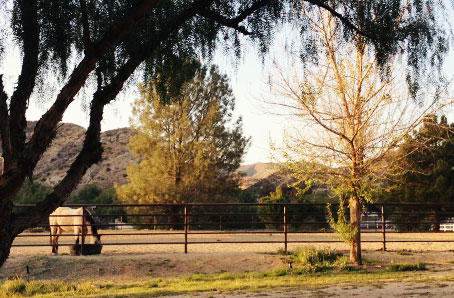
[[32, 193]]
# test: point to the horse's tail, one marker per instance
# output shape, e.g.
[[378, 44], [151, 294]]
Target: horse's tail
[[90, 218]]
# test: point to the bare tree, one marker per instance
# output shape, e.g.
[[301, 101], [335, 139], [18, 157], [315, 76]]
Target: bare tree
[[353, 114]]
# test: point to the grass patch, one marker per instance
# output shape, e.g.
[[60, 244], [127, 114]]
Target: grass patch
[[406, 267], [316, 260], [404, 252], [371, 262], [299, 277], [197, 283]]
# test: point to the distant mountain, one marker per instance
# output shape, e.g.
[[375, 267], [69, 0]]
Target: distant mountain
[[251, 174], [263, 178]]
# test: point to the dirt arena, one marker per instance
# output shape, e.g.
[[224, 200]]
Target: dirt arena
[[126, 262], [116, 242]]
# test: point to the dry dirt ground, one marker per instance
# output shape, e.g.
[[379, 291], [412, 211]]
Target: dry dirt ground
[[124, 262]]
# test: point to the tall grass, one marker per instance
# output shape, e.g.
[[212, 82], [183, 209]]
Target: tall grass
[[316, 260], [21, 288]]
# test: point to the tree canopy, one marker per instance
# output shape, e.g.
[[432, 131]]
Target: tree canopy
[[425, 171], [188, 150]]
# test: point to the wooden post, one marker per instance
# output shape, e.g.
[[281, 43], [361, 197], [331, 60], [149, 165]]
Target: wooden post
[[285, 228], [185, 229], [121, 222], [220, 223], [383, 227], [83, 232]]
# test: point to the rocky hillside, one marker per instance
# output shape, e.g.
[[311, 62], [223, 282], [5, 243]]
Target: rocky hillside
[[67, 144], [116, 157]]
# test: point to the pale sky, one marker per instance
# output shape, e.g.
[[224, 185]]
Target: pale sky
[[248, 81]]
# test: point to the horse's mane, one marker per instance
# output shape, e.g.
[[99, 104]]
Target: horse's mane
[[90, 218]]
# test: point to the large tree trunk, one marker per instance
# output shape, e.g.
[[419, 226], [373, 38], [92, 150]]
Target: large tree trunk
[[355, 221], [6, 239], [5, 244]]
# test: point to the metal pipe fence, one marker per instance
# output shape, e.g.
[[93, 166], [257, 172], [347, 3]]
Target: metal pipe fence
[[191, 219]]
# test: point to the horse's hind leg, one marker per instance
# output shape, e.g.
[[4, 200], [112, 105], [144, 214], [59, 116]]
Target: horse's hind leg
[[76, 234], [52, 232], [55, 233]]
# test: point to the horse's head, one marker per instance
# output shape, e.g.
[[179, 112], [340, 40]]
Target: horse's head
[[95, 237]]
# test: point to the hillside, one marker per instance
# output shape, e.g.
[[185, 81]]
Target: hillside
[[254, 173], [116, 158], [262, 178], [67, 144]]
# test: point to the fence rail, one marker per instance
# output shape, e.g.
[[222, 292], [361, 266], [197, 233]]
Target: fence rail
[[284, 219]]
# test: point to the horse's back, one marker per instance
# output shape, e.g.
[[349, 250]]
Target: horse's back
[[67, 211], [62, 217]]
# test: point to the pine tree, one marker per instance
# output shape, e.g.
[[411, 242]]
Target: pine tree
[[186, 151]]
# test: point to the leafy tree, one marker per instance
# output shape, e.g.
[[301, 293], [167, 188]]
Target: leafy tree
[[185, 150], [92, 194], [32, 193], [425, 170], [297, 215], [87, 195], [105, 42], [353, 115]]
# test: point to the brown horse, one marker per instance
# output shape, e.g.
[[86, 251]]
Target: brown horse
[[70, 220]]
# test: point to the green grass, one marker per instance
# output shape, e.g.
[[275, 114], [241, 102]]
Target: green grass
[[406, 267], [311, 269], [311, 259], [404, 253], [224, 281]]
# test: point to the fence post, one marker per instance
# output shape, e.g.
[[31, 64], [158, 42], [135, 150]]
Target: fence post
[[285, 228], [185, 229], [83, 232], [383, 223], [220, 223]]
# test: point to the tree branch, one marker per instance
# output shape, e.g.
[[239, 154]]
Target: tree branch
[[86, 28], [4, 123], [91, 151], [46, 127], [235, 22], [232, 23], [26, 82], [345, 20], [90, 154]]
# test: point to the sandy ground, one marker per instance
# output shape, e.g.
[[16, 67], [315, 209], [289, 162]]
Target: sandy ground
[[157, 242], [404, 289], [125, 262]]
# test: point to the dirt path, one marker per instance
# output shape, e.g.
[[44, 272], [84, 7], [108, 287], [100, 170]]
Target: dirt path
[[442, 289]]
